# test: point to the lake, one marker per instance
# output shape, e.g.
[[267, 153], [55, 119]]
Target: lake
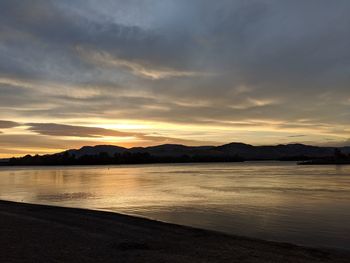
[[308, 205]]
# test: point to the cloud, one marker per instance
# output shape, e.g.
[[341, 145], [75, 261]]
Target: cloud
[[63, 130], [32, 143], [138, 68], [8, 124], [53, 129], [228, 64], [297, 136]]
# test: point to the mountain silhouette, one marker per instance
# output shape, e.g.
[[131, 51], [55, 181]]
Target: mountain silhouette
[[177, 153], [243, 150], [95, 150]]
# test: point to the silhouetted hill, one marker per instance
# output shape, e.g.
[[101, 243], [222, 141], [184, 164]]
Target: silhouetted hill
[[345, 149], [4, 160], [176, 150], [232, 152], [95, 150], [246, 151], [280, 151], [339, 157]]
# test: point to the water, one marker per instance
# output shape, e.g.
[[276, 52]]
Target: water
[[280, 201]]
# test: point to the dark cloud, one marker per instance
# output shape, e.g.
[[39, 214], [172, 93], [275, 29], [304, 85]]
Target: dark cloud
[[54, 129], [8, 124], [31, 143], [297, 136]]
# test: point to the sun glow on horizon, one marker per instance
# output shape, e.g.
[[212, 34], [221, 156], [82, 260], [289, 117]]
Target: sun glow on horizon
[[182, 72]]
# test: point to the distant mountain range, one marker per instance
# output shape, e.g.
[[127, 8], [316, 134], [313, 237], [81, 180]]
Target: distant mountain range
[[245, 151], [110, 154]]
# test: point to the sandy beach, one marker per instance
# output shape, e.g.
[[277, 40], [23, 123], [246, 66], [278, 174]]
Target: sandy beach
[[38, 233]]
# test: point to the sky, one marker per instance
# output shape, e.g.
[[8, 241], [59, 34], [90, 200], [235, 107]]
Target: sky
[[194, 72]]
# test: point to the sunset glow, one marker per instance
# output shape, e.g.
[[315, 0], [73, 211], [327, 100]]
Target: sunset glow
[[143, 73]]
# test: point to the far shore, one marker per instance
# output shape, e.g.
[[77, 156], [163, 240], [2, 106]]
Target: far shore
[[40, 233]]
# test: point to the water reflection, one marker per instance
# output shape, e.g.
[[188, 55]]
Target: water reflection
[[62, 197], [279, 201]]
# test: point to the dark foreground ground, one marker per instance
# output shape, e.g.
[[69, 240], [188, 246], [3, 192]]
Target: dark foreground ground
[[36, 233]]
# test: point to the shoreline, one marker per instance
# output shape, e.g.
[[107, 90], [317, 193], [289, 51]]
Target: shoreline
[[42, 233]]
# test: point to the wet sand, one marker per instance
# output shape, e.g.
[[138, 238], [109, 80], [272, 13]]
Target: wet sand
[[38, 233]]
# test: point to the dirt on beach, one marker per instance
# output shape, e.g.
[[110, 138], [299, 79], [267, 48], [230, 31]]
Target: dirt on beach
[[38, 233]]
